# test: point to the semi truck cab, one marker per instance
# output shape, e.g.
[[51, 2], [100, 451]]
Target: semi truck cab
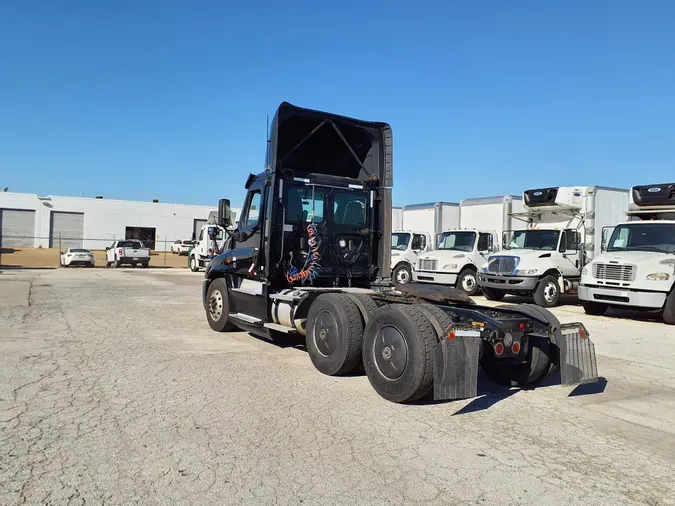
[[637, 266], [456, 259]]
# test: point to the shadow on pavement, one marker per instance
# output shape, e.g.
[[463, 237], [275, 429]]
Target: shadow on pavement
[[590, 388]]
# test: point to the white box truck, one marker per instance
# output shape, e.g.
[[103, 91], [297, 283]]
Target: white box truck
[[637, 267], [460, 252], [397, 218], [545, 258], [422, 224]]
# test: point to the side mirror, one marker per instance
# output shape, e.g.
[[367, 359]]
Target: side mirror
[[224, 213]]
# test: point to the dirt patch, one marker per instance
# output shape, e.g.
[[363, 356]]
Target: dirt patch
[[49, 258]]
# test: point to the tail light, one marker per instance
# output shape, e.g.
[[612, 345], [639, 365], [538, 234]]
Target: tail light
[[121, 251], [515, 348], [499, 349]]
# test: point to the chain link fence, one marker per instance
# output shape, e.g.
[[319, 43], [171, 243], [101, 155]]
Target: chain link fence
[[48, 252]]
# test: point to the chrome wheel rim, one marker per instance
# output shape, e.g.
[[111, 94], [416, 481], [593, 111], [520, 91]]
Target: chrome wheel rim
[[469, 283], [550, 292], [403, 276], [216, 305]]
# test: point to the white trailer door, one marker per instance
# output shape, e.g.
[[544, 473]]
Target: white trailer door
[[17, 228], [66, 230]]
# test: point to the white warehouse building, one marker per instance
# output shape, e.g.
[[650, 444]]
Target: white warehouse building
[[40, 221]]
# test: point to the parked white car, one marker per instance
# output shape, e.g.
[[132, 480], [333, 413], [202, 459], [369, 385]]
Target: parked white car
[[77, 256], [182, 247]]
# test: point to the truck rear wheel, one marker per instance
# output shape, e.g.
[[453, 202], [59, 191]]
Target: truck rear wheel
[[594, 308], [493, 294], [399, 346], [547, 292], [541, 356], [334, 334], [218, 306], [370, 305]]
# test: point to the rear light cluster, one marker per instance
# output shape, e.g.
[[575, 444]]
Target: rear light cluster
[[500, 348]]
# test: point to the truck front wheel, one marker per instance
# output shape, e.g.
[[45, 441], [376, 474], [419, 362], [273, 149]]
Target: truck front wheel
[[669, 309], [399, 348], [334, 334], [594, 308], [467, 281], [547, 292], [218, 306], [402, 275], [193, 264], [493, 294]]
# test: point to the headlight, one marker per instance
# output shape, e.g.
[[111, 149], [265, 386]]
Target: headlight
[[342, 243], [449, 266], [527, 272], [658, 276]]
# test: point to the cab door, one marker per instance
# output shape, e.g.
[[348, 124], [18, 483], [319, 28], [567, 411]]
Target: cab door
[[569, 248], [248, 235]]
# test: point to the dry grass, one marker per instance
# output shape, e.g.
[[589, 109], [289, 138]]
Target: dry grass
[[49, 258]]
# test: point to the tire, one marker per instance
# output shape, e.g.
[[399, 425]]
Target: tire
[[493, 294], [669, 309], [541, 360], [218, 306], [108, 264], [133, 266], [547, 293], [370, 305], [594, 308], [411, 377], [193, 264], [118, 264], [334, 334], [145, 265], [468, 281], [402, 275]]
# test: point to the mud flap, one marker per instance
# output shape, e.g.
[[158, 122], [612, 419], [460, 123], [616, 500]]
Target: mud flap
[[578, 364], [456, 368]]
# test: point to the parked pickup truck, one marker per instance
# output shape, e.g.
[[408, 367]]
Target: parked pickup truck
[[127, 253]]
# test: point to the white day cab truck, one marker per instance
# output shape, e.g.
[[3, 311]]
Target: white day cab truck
[[637, 267], [209, 243], [460, 252], [545, 259], [420, 228]]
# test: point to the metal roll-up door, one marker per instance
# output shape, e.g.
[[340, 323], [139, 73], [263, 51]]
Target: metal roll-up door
[[198, 226], [66, 230], [17, 228]]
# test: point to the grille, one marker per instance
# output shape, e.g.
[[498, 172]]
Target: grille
[[502, 265], [614, 272], [428, 264]]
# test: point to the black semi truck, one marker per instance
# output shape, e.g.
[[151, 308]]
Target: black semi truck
[[310, 255]]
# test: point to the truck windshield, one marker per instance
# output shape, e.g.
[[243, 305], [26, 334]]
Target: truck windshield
[[400, 241], [532, 239], [643, 237], [460, 241]]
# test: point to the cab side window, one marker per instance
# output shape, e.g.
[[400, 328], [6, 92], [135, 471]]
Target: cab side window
[[483, 242], [251, 214], [419, 242]]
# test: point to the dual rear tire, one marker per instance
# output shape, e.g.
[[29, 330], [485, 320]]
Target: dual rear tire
[[397, 345]]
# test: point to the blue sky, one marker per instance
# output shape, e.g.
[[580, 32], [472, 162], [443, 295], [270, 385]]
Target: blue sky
[[168, 100]]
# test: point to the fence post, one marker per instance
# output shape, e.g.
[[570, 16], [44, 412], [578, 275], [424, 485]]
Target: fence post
[[59, 250], [165, 252]]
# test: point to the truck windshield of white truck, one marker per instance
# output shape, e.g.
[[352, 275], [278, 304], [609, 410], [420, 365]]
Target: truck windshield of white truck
[[659, 237], [546, 240], [459, 241], [399, 241]]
